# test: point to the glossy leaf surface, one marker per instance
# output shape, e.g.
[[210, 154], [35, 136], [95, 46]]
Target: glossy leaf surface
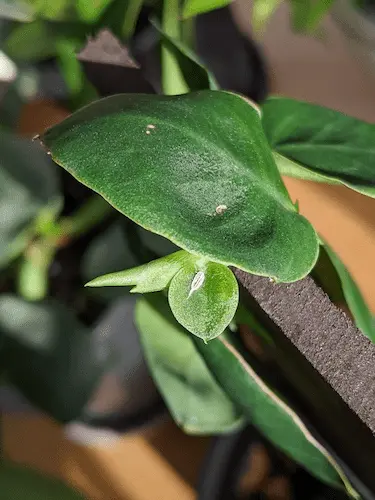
[[48, 356], [266, 410], [319, 144], [195, 169], [23, 483], [204, 298], [195, 400]]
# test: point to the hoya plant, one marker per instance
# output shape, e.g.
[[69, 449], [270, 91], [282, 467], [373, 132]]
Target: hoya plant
[[179, 190]]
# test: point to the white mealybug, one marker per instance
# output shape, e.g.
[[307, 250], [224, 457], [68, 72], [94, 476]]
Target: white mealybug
[[197, 282]]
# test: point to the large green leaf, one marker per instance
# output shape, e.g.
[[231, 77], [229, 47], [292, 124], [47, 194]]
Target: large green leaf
[[356, 303], [28, 185], [266, 410], [22, 483], [204, 298], [195, 400], [49, 356], [320, 144], [194, 7], [194, 168]]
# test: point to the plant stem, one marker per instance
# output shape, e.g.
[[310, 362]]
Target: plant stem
[[32, 279], [85, 218], [173, 82], [130, 18]]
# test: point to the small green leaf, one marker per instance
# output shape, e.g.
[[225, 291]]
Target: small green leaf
[[361, 313], [320, 144], [22, 483], [195, 7], [195, 400], [266, 410], [151, 277], [28, 186], [49, 356], [196, 75], [204, 298], [195, 169]]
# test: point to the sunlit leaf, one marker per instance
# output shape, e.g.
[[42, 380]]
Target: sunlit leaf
[[204, 298], [267, 411], [319, 144], [151, 277], [195, 169], [195, 400]]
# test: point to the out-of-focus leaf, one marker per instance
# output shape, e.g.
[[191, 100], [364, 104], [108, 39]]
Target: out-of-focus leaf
[[121, 17], [89, 11], [54, 10], [213, 187], [195, 400], [49, 356], [307, 14], [356, 303], [31, 42], [262, 11], [319, 144], [28, 184], [194, 7], [195, 74], [266, 410], [22, 483]]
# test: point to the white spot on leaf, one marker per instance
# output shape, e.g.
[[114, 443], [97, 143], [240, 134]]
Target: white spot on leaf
[[220, 209], [197, 282]]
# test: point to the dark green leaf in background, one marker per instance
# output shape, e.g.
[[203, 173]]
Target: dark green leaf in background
[[197, 170], [195, 400], [319, 144], [347, 289], [49, 356], [22, 483]]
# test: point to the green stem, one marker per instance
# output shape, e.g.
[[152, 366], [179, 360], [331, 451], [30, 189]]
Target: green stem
[[130, 19], [32, 280], [173, 82], [85, 218]]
